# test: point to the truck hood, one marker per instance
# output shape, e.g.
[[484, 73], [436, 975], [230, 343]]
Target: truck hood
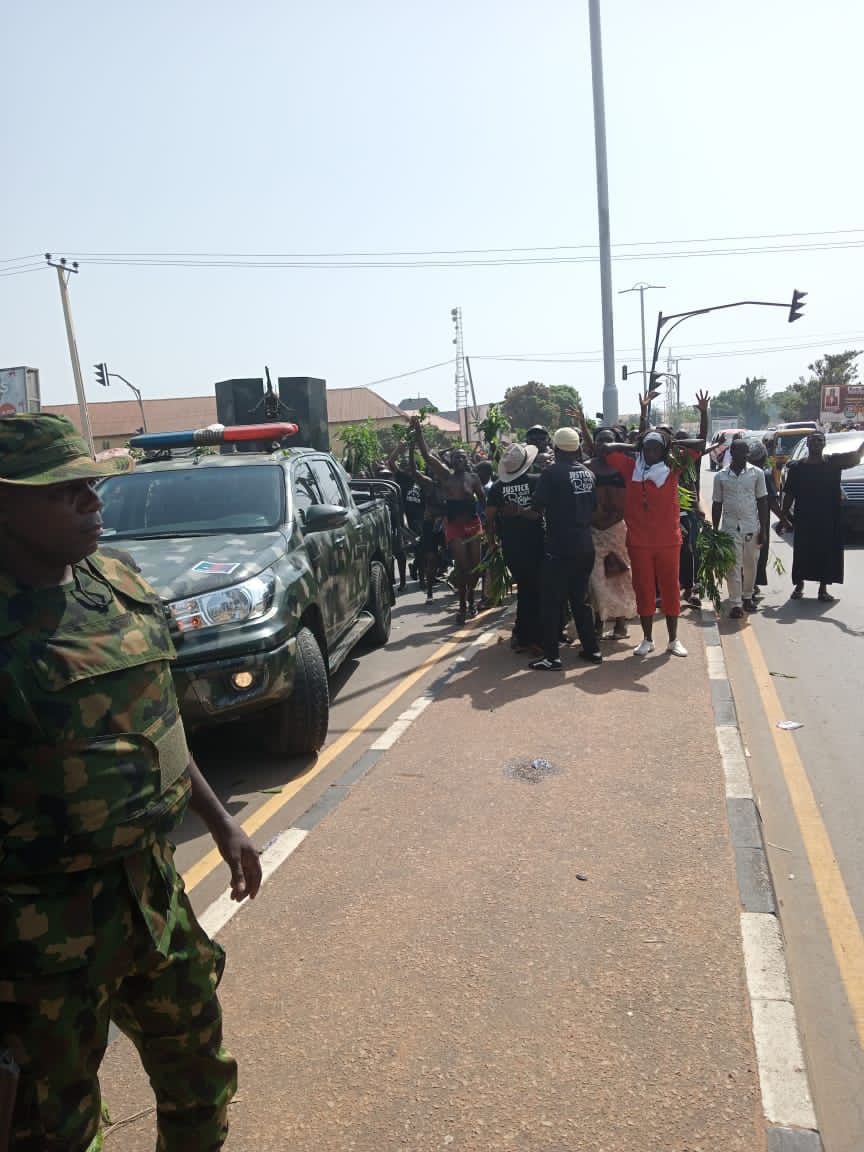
[[190, 565]]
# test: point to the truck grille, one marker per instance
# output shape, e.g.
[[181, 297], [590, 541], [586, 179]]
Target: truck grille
[[853, 489]]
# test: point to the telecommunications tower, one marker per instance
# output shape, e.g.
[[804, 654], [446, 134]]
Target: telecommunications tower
[[461, 379]]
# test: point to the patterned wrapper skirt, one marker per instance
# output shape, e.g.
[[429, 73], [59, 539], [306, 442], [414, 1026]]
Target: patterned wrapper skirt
[[611, 595]]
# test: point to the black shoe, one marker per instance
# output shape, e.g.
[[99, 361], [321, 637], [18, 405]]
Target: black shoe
[[750, 606], [471, 612], [545, 665], [592, 657]]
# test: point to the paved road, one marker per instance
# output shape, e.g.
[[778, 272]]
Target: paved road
[[804, 661], [370, 690]]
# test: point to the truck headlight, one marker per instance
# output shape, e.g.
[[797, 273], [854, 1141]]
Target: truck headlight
[[234, 605]]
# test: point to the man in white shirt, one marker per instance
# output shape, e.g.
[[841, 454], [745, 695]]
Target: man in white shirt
[[741, 498]]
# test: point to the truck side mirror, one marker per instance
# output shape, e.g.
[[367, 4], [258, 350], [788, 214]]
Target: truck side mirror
[[324, 517]]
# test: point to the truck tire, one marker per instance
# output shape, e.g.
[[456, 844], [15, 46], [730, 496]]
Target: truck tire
[[300, 723], [379, 605]]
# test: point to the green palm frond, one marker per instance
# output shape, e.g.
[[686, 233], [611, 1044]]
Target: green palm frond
[[499, 583], [715, 558]]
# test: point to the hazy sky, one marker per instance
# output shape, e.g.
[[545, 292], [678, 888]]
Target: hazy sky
[[267, 128]]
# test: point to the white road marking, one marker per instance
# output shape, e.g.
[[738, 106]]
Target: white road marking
[[716, 663], [738, 786], [764, 959], [277, 852], [782, 1075]]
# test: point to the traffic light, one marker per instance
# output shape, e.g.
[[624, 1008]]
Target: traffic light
[[623, 371], [797, 305], [101, 374]]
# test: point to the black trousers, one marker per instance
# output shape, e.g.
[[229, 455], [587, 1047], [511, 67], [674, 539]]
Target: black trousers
[[687, 566], [526, 570], [565, 578]]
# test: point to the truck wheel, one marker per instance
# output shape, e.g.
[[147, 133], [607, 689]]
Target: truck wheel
[[379, 605], [300, 724]]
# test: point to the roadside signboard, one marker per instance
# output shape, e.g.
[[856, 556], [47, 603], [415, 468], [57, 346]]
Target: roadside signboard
[[841, 403], [19, 390]]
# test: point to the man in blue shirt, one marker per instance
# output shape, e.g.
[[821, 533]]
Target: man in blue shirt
[[566, 496]]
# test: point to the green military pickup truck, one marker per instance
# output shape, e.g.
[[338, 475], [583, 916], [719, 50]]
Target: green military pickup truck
[[272, 572]]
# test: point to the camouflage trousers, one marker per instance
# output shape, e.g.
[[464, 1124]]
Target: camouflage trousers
[[160, 990]]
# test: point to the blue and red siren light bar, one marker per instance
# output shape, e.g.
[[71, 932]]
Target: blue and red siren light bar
[[214, 434]]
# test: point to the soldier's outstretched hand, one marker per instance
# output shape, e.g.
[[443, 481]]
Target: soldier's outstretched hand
[[241, 856]]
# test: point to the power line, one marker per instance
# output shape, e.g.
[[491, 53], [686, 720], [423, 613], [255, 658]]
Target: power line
[[451, 251], [24, 268], [413, 372], [342, 263], [596, 358], [684, 349]]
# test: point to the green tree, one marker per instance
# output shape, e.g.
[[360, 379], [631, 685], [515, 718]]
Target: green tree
[[749, 403], [360, 448], [566, 397], [728, 405], [803, 399], [492, 429], [755, 402], [531, 403]]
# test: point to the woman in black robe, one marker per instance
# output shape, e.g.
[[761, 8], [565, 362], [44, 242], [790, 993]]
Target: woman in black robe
[[813, 487]]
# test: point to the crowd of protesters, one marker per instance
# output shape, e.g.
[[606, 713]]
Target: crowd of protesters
[[597, 529]]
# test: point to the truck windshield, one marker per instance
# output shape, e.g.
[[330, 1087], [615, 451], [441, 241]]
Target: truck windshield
[[194, 501], [785, 442]]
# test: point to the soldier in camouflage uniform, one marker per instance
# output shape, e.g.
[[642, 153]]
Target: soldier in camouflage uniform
[[94, 775]]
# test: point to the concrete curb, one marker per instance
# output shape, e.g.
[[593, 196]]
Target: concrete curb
[[786, 1100]]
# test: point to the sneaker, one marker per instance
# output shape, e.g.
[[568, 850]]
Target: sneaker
[[471, 612], [592, 657], [750, 605], [545, 665], [644, 649], [620, 632], [676, 648]]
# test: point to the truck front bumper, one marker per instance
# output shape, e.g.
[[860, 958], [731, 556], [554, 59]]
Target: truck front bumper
[[217, 691]]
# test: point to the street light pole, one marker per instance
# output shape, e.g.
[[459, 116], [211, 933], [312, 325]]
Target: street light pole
[[610, 388], [642, 288], [64, 271]]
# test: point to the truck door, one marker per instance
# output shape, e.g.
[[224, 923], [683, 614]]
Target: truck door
[[351, 542], [321, 549]]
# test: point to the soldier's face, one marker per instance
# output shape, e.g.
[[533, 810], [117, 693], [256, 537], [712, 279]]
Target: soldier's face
[[59, 523]]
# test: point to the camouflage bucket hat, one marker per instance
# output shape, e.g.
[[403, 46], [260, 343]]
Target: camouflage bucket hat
[[42, 448]]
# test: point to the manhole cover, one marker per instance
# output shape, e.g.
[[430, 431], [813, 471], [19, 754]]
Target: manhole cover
[[531, 771]]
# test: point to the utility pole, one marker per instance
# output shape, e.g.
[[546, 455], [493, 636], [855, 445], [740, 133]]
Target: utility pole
[[610, 388], [64, 271], [642, 288]]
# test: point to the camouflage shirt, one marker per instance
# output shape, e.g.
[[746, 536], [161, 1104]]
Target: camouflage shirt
[[93, 754]]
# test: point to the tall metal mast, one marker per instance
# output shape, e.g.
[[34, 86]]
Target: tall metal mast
[[461, 382]]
